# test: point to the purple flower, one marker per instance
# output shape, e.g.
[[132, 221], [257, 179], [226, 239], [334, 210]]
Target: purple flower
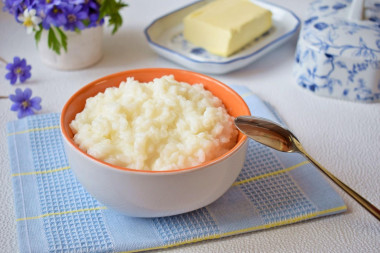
[[70, 14], [93, 5], [92, 8], [16, 7], [75, 16], [54, 16], [10, 5], [94, 20], [18, 69], [23, 103], [48, 4], [77, 1], [50, 12]]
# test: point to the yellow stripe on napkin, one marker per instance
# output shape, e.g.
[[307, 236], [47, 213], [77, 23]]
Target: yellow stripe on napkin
[[270, 174], [60, 213], [34, 130], [90, 209], [39, 172], [235, 232]]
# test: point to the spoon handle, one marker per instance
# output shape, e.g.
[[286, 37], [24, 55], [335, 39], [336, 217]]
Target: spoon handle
[[362, 201]]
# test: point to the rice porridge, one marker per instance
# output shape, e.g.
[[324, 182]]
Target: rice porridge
[[158, 125]]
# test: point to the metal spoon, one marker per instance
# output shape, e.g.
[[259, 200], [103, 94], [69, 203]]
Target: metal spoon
[[275, 136]]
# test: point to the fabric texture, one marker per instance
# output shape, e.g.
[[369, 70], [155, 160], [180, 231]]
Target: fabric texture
[[54, 213]]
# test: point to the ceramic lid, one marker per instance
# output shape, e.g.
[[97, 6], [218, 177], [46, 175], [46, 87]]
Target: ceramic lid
[[331, 30]]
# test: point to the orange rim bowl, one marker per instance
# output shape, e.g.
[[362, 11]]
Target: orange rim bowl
[[234, 104]]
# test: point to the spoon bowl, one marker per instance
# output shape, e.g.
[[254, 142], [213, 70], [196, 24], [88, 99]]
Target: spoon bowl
[[267, 133], [277, 137]]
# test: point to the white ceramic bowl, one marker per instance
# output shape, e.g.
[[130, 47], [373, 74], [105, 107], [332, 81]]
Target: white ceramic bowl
[[141, 193]]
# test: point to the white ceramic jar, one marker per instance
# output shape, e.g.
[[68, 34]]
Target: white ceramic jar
[[83, 49], [338, 54]]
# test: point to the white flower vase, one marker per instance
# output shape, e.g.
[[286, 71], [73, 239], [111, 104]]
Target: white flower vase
[[83, 49]]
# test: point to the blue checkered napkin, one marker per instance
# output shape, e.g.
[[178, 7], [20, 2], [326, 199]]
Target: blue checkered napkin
[[55, 214]]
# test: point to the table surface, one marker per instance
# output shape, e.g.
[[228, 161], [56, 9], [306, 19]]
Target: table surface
[[343, 136]]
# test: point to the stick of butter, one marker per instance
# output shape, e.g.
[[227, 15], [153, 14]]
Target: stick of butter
[[222, 27]]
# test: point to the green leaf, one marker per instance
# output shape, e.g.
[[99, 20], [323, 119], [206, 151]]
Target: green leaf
[[37, 35], [77, 30], [63, 38], [86, 22], [53, 42], [111, 8]]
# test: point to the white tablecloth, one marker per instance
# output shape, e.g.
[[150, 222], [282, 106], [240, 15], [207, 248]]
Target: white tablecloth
[[343, 136]]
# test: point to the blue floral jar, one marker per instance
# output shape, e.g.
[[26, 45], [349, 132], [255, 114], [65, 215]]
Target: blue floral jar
[[338, 56]]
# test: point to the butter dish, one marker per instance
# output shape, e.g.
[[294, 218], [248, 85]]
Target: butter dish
[[338, 51], [165, 36], [223, 27]]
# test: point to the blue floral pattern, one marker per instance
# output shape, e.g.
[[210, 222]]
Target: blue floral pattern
[[337, 57]]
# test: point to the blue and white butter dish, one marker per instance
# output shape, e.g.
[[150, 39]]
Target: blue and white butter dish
[[338, 51], [165, 36]]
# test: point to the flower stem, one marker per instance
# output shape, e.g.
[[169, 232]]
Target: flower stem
[[3, 97], [2, 60]]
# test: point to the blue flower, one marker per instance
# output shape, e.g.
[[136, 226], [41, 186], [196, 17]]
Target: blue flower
[[75, 16], [78, 1], [23, 103], [9, 5], [92, 8], [321, 26], [18, 69], [54, 16], [15, 7], [48, 4], [94, 20], [93, 13], [69, 14]]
